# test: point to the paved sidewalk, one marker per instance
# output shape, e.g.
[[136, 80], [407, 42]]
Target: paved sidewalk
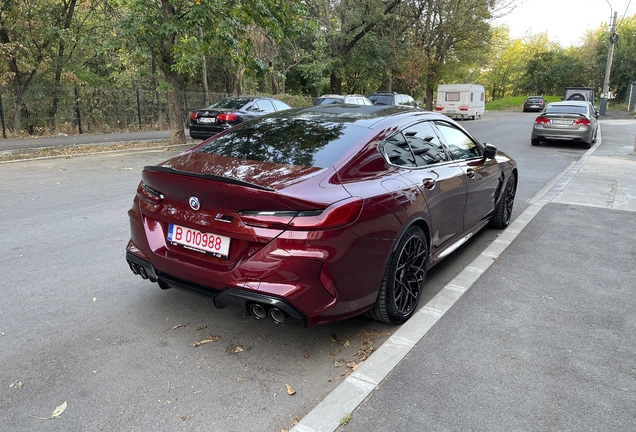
[[541, 334]]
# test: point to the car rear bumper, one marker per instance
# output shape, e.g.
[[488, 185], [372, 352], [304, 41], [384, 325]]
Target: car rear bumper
[[585, 134], [205, 131], [229, 296]]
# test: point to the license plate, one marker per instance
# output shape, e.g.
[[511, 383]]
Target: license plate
[[201, 242], [561, 122], [207, 120], [450, 111]]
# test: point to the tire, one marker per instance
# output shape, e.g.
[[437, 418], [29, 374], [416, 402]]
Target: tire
[[535, 142], [587, 145], [503, 211], [403, 279]]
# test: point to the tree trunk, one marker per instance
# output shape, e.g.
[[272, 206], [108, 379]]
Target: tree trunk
[[204, 74], [238, 80], [336, 83], [177, 134]]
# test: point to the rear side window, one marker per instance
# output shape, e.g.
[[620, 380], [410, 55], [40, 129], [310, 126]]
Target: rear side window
[[460, 145], [280, 105], [398, 152], [290, 141], [263, 105], [425, 145]]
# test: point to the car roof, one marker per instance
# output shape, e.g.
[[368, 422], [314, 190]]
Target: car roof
[[360, 115]]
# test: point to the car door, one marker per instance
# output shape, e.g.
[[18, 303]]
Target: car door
[[427, 164], [483, 176]]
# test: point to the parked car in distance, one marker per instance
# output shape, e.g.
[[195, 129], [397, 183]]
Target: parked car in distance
[[392, 98], [320, 213], [533, 103], [331, 99], [224, 114], [571, 120]]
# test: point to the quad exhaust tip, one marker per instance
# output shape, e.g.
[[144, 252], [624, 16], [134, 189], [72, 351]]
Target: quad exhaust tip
[[259, 312], [138, 270]]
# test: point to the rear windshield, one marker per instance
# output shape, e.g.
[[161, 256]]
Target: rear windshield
[[328, 101], [232, 103], [290, 141], [566, 109], [381, 100], [535, 99]]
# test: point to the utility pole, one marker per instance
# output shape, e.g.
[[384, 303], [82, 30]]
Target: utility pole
[[610, 54]]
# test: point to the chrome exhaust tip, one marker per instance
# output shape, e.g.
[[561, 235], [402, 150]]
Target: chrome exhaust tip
[[142, 272], [277, 315], [133, 267], [258, 311]]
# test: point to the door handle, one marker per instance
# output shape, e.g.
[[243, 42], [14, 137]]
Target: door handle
[[429, 183], [470, 173]]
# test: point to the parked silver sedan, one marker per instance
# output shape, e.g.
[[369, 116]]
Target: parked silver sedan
[[570, 120]]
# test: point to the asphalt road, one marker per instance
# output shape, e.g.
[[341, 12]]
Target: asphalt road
[[76, 326]]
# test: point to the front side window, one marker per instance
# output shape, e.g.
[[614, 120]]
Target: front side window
[[460, 145]]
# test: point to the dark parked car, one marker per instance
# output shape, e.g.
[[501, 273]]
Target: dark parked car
[[571, 120], [392, 98], [332, 99], [319, 213], [222, 115], [533, 103]]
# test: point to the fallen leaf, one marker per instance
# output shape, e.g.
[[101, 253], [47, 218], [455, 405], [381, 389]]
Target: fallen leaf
[[184, 418], [94, 299], [235, 349], [290, 389], [339, 363], [176, 327], [304, 355], [196, 391], [16, 385], [207, 339], [59, 410], [333, 339], [346, 344], [203, 327]]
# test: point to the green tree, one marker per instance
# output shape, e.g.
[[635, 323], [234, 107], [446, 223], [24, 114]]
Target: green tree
[[170, 32]]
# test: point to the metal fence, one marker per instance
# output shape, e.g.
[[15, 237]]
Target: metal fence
[[50, 110]]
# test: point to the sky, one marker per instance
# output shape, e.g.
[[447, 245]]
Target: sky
[[565, 21]]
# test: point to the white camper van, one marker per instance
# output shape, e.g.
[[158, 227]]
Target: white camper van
[[461, 100]]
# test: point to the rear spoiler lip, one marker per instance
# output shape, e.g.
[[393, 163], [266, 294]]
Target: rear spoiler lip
[[206, 177]]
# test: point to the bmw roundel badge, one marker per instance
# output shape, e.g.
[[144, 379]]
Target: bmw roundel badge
[[194, 203]]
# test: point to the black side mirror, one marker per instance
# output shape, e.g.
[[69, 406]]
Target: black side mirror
[[490, 151]]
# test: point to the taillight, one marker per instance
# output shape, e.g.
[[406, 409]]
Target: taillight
[[463, 108], [439, 108], [226, 117], [337, 215], [542, 120], [149, 194], [582, 121], [193, 116]]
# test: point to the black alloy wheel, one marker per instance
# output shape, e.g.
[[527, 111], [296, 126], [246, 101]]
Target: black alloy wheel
[[403, 280], [503, 212]]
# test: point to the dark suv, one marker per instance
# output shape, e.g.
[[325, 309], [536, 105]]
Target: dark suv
[[392, 98]]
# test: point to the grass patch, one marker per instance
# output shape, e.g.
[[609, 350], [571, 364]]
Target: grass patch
[[515, 103]]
